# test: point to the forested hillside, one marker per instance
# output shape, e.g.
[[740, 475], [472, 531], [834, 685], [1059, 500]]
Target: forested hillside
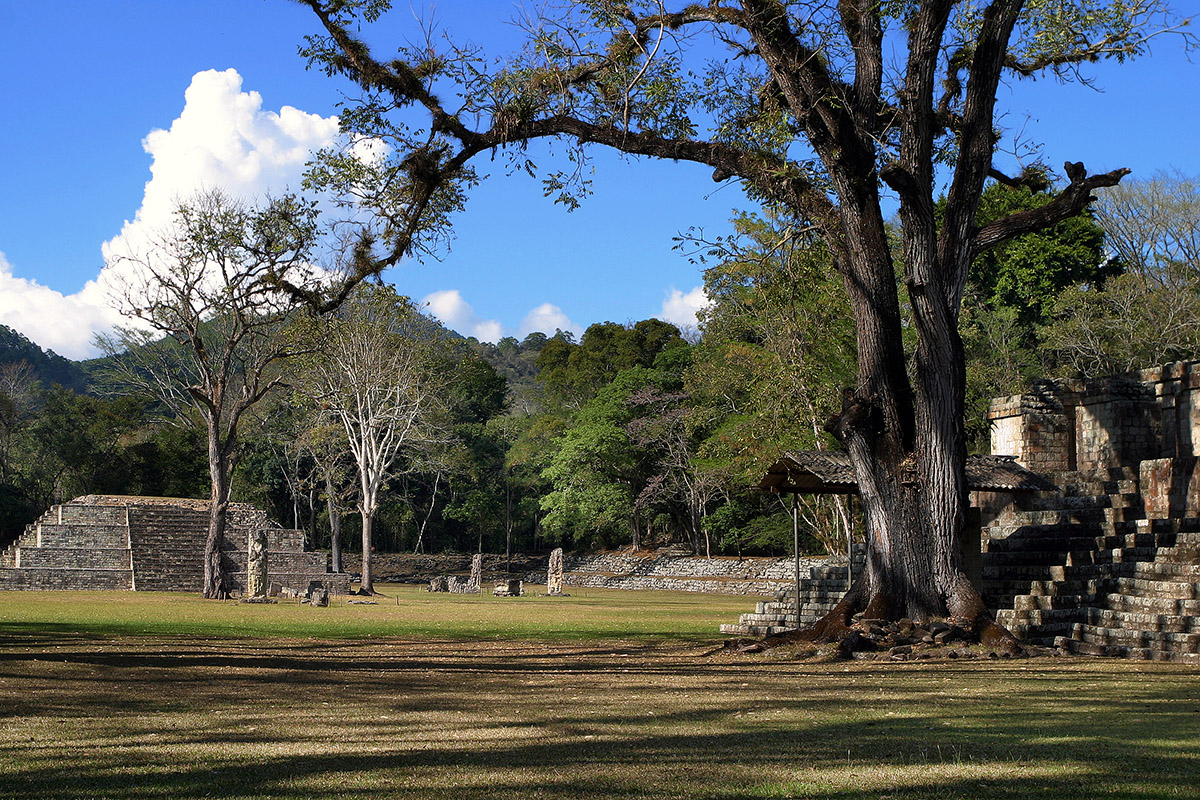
[[45, 366]]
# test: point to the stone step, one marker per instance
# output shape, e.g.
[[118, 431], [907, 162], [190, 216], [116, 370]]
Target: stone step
[[80, 536], [1144, 640], [1003, 559], [60, 579], [73, 558], [1034, 538], [1179, 590], [1050, 572], [1069, 645], [1031, 602], [1134, 621], [70, 513], [1150, 605], [754, 631]]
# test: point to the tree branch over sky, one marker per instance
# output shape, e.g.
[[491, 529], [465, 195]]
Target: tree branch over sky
[[817, 108]]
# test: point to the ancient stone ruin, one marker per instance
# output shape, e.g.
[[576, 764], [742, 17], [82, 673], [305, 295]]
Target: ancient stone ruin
[[1109, 562], [475, 585], [554, 573], [152, 544], [256, 563], [509, 588]]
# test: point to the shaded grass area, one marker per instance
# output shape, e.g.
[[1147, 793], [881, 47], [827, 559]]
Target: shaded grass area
[[100, 715]]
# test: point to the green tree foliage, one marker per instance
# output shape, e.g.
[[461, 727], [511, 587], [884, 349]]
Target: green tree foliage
[[1012, 290], [573, 373], [778, 346], [517, 363], [1026, 274], [598, 470]]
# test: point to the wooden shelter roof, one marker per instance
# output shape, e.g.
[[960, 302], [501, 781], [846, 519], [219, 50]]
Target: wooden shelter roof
[[830, 472]]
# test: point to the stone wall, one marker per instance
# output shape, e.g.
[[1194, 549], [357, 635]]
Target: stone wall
[[748, 576], [154, 544], [1116, 422]]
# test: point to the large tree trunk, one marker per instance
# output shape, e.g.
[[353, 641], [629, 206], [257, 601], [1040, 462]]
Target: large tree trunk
[[368, 579], [906, 439], [335, 524], [219, 468]]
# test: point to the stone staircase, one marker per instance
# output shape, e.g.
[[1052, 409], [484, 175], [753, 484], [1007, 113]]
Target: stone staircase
[[1087, 572], [150, 544], [819, 593], [71, 547]]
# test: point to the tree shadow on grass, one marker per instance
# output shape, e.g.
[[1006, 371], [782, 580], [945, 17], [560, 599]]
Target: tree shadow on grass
[[447, 719]]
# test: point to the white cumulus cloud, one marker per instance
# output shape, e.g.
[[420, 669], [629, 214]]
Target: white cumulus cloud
[[223, 139], [548, 319], [54, 321], [453, 311], [456, 313], [679, 308]]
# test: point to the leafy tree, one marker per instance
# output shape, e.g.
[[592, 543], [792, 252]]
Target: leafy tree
[[778, 346], [205, 295], [86, 438], [1027, 273], [597, 470], [167, 460], [573, 373], [814, 114]]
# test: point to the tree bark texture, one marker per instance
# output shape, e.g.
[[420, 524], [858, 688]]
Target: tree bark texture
[[367, 583], [219, 468]]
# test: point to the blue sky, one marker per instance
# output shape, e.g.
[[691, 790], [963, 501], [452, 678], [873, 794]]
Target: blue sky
[[88, 82]]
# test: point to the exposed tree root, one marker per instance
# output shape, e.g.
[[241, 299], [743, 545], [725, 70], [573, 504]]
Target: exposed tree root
[[855, 626]]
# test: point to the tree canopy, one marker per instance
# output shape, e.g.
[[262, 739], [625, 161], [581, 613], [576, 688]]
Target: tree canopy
[[817, 109]]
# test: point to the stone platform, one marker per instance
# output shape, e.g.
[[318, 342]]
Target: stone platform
[[101, 542]]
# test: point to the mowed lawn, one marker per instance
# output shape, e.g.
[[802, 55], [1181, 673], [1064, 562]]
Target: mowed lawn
[[597, 695]]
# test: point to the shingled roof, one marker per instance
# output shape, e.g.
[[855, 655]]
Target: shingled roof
[[830, 472]]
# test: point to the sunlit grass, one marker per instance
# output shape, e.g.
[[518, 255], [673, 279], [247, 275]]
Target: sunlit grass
[[402, 610], [532, 699]]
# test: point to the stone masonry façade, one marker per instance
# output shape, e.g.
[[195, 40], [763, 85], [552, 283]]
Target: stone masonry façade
[[1110, 564], [152, 544]]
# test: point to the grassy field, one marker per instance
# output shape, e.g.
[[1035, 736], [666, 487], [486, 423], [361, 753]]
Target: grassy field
[[608, 695]]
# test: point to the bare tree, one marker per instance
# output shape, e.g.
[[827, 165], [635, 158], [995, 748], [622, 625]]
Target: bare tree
[[1153, 227], [17, 381], [374, 368], [325, 442], [208, 341]]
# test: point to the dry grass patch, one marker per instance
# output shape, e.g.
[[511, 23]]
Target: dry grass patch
[[139, 716]]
